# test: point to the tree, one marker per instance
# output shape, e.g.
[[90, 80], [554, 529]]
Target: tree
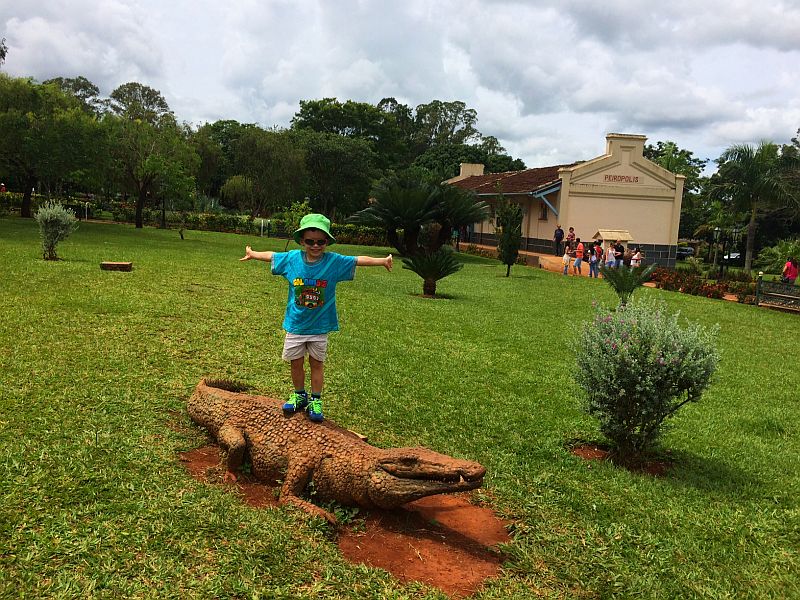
[[401, 205], [238, 192], [135, 101], [339, 169], [445, 159], [694, 206], [753, 178], [444, 123], [3, 51], [354, 120], [676, 160], [150, 160], [87, 93], [215, 143], [45, 137], [509, 225], [275, 165], [426, 214], [455, 208]]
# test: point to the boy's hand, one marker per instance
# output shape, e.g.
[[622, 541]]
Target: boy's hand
[[248, 253], [387, 262]]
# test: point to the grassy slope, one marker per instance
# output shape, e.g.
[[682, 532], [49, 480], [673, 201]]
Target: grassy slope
[[96, 367]]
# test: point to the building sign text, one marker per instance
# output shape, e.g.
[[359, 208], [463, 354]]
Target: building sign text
[[621, 178]]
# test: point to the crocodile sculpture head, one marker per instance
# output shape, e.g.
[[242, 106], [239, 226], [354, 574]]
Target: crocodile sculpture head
[[405, 474]]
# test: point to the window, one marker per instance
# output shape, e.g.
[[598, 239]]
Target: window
[[542, 211]]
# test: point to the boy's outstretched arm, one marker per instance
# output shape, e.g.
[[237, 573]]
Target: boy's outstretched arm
[[249, 254], [368, 261]]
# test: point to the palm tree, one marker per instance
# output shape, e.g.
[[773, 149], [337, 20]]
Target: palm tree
[[455, 208], [405, 203], [433, 266], [626, 280], [400, 204], [752, 179]]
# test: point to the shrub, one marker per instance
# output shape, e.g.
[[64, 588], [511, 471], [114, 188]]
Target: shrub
[[626, 280], [55, 225], [433, 266], [359, 234], [650, 368], [772, 259]]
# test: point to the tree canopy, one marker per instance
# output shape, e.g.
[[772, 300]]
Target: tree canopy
[[752, 179]]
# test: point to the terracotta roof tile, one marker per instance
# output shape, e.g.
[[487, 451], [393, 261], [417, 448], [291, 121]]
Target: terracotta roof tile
[[511, 182]]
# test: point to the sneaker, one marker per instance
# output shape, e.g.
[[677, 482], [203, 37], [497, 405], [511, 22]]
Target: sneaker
[[315, 410], [295, 402]]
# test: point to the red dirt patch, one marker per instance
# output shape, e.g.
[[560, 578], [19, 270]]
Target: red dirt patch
[[443, 541], [656, 468]]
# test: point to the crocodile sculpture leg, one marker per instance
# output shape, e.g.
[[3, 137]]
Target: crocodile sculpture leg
[[297, 477], [232, 441]]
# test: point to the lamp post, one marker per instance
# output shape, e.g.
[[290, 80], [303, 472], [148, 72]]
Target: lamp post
[[731, 235], [716, 233]]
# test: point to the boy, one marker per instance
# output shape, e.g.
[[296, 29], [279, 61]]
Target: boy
[[565, 260], [311, 308]]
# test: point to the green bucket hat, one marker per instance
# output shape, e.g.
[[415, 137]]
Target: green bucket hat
[[314, 221]]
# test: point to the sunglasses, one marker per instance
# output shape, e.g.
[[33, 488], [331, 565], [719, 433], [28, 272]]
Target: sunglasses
[[310, 242]]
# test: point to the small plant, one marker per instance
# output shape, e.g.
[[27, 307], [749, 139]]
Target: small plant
[[293, 216], [56, 223], [432, 267], [651, 367], [694, 265], [509, 224], [626, 280]]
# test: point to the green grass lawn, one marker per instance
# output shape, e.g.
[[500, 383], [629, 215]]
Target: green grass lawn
[[96, 366]]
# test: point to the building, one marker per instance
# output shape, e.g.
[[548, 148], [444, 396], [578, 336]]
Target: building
[[620, 191]]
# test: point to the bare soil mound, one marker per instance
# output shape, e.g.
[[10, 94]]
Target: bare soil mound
[[444, 541]]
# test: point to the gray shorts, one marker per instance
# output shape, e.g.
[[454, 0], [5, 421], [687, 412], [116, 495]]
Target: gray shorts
[[297, 346]]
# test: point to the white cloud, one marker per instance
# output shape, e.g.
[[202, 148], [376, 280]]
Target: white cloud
[[548, 77]]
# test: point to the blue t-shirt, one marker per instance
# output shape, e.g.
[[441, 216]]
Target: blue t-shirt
[[311, 305]]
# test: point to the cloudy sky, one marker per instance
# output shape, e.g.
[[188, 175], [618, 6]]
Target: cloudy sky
[[549, 78]]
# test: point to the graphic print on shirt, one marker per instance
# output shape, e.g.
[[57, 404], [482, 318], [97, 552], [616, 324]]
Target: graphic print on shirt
[[309, 293]]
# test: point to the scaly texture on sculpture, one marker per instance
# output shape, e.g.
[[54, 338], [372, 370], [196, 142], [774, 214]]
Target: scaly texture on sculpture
[[341, 466]]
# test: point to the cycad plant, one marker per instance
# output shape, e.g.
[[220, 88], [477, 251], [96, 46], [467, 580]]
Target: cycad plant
[[626, 280], [419, 218], [433, 266]]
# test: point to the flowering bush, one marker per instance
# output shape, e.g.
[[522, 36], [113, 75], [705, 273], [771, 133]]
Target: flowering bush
[[648, 367]]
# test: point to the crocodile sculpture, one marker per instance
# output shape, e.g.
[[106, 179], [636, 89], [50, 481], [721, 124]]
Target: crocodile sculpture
[[342, 466]]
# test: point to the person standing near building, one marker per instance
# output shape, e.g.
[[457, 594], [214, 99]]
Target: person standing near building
[[611, 259], [565, 261], [619, 253], [571, 237], [558, 237], [595, 258], [636, 259], [576, 266]]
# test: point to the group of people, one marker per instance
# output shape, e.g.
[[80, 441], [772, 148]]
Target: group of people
[[576, 253]]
